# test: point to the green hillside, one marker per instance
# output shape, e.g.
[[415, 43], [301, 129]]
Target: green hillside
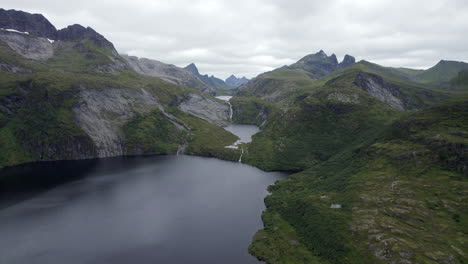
[[400, 188], [442, 72]]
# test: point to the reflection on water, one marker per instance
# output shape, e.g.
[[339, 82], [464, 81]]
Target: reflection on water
[[167, 209]]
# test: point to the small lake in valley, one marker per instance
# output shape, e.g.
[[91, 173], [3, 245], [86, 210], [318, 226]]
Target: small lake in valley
[[161, 209]]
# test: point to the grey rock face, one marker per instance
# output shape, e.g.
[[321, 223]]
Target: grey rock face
[[101, 113], [34, 48], [382, 91], [205, 108], [35, 24], [167, 72]]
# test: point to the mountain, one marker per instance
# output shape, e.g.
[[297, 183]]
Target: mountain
[[77, 98], [234, 82], [209, 80], [320, 65], [168, 72]]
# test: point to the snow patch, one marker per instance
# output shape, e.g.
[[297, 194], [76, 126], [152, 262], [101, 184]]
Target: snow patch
[[51, 40], [14, 30]]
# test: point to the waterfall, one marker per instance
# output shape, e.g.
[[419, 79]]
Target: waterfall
[[242, 153], [181, 149], [230, 110]]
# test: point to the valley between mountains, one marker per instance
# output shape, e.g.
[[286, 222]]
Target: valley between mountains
[[377, 155]]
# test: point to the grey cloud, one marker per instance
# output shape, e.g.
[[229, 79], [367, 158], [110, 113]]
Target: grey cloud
[[247, 37]]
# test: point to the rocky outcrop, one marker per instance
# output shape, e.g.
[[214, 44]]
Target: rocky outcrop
[[78, 32], [211, 110], [320, 65], [235, 82], [379, 89], [34, 48], [167, 72], [34, 24]]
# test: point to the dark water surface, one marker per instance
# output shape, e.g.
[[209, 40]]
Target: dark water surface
[[166, 209]]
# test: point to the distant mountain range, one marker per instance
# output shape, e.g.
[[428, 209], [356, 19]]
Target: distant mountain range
[[230, 83], [233, 82]]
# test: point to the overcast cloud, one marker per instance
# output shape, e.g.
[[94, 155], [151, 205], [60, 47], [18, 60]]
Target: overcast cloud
[[248, 37]]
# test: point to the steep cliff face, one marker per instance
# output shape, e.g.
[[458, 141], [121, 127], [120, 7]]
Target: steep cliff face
[[35, 24], [102, 112], [377, 88]]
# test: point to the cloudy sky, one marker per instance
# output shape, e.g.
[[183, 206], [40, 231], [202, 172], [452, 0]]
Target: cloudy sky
[[247, 37]]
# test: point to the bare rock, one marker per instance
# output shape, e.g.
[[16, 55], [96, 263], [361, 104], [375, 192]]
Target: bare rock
[[211, 110]]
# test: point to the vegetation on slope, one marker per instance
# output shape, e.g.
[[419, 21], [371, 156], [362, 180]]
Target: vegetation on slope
[[402, 197], [442, 72], [37, 121], [461, 81]]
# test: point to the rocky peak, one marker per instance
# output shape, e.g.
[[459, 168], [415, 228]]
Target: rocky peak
[[78, 32], [333, 59], [193, 69], [347, 61], [35, 24]]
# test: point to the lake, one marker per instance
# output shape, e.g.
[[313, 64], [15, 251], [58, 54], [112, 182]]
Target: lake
[[162, 209]]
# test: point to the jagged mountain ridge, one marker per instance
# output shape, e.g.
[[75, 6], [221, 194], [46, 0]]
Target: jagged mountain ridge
[[320, 65], [230, 83]]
